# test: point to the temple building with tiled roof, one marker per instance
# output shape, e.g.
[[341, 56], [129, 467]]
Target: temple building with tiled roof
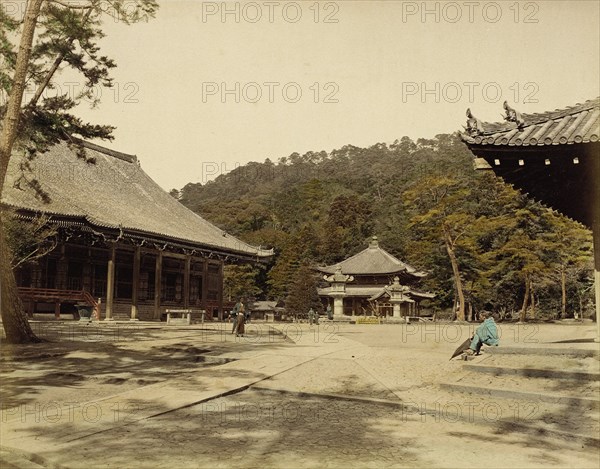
[[553, 156], [365, 284], [121, 238]]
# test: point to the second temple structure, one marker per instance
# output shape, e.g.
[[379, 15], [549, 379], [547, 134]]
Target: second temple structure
[[372, 283]]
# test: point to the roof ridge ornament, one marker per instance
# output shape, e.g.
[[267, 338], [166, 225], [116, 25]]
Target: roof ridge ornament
[[374, 243], [338, 277], [474, 125], [512, 115]]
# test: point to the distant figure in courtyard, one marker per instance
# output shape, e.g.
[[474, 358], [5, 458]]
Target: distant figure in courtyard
[[486, 333], [241, 320], [234, 314], [313, 318], [329, 313]]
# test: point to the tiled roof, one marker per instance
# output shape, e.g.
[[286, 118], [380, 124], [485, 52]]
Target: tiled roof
[[374, 292], [575, 124], [115, 193], [354, 290], [372, 261]]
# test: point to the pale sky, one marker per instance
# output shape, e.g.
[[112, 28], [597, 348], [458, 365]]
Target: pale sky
[[378, 70]]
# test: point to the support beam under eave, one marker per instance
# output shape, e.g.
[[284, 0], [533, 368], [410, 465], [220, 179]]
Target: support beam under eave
[[205, 285], [157, 285], [186, 281], [221, 275], [135, 287], [595, 210], [110, 283]]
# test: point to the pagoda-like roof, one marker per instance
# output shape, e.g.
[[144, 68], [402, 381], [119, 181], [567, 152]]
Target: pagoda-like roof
[[554, 156], [372, 261], [574, 124], [374, 292], [113, 193]]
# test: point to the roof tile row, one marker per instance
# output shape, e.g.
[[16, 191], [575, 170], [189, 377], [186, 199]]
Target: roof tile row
[[576, 124]]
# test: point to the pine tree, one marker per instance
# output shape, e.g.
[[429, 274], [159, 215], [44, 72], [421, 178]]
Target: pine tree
[[303, 294], [54, 34]]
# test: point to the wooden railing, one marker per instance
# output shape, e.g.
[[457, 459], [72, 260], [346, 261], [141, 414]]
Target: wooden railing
[[56, 296]]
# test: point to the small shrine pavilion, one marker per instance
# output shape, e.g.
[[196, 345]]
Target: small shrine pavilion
[[552, 156], [372, 283]]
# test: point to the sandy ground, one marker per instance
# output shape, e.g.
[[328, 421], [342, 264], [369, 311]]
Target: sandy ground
[[352, 396]]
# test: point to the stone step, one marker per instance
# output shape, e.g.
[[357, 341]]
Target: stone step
[[534, 372], [552, 398], [572, 352]]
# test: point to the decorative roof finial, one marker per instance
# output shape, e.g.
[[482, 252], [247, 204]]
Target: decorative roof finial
[[374, 242], [513, 116], [474, 126]]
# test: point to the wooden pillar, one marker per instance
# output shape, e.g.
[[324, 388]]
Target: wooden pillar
[[135, 286], [596, 235], [186, 281], [157, 284], [205, 285], [595, 211], [110, 283], [220, 291]]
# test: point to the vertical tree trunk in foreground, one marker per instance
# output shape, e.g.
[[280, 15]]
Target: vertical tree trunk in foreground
[[15, 324]]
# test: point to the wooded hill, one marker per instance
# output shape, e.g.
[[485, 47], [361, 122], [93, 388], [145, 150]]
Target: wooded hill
[[476, 237]]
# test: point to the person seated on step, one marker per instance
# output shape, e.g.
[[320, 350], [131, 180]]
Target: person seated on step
[[486, 333]]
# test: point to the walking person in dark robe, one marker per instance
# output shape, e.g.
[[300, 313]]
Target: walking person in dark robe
[[235, 313], [241, 321]]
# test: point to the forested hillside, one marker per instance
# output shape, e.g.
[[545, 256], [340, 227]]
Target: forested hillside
[[478, 239]]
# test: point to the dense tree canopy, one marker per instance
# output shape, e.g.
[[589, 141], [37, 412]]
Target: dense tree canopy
[[483, 244]]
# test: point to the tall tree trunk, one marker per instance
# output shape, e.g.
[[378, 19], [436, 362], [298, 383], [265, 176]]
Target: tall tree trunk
[[563, 291], [532, 295], [457, 279], [14, 321], [15, 324], [525, 300]]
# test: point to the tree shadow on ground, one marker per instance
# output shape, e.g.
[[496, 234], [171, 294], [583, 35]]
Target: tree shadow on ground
[[86, 364], [254, 428]]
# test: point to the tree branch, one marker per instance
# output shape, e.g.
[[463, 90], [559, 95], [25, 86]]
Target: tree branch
[[59, 58], [71, 7]]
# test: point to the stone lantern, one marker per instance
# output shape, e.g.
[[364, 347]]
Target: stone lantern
[[397, 295], [338, 290]]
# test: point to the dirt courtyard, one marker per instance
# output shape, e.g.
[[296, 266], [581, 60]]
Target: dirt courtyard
[[294, 395]]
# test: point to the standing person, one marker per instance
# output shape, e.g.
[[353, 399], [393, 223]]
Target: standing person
[[235, 313], [329, 313], [241, 319], [486, 333], [311, 316]]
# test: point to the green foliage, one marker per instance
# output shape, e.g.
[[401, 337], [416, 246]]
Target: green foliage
[[67, 37], [303, 293], [240, 281], [29, 239], [418, 198]]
